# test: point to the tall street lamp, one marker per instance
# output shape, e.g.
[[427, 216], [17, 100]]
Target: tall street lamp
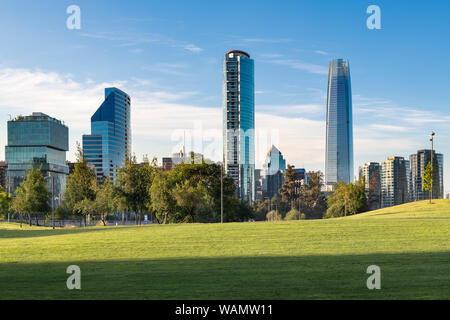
[[53, 198], [221, 193], [432, 172]]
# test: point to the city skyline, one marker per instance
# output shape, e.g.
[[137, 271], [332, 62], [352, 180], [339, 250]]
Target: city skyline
[[391, 118]]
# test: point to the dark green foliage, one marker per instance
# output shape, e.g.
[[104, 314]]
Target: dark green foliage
[[32, 196], [347, 199], [312, 199]]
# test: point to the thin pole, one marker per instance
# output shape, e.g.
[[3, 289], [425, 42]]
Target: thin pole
[[53, 203], [432, 172], [221, 193]]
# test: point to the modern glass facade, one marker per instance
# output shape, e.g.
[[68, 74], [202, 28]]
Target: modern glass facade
[[110, 139], [239, 122], [418, 163], [395, 182], [339, 135], [274, 171], [41, 141]]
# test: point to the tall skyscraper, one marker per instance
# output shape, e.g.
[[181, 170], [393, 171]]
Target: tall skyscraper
[[339, 135], [40, 141], [395, 182], [239, 122], [418, 163], [274, 171], [110, 139], [371, 172]]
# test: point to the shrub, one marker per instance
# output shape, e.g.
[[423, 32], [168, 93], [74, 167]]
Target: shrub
[[293, 214], [273, 216]]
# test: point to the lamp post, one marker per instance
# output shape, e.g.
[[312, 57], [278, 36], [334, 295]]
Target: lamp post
[[221, 193], [53, 192], [432, 172]]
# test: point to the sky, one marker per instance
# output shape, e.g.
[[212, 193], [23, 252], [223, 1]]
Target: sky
[[168, 56]]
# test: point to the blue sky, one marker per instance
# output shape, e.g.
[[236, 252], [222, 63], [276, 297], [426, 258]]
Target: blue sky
[[168, 56]]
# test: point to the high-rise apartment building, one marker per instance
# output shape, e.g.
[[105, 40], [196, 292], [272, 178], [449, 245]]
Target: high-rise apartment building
[[395, 182], [371, 172], [110, 140], [339, 134], [274, 171], [239, 122], [40, 141], [418, 163], [3, 169]]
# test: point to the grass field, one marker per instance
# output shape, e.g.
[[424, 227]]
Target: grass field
[[323, 259]]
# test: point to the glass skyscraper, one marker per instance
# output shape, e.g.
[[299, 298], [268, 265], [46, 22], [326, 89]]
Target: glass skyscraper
[[274, 171], [40, 141], [110, 139], [339, 135], [418, 163], [239, 122]]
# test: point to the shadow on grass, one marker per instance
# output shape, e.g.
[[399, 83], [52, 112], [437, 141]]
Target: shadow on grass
[[403, 276]]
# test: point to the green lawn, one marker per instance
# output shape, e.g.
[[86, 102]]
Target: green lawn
[[324, 259]]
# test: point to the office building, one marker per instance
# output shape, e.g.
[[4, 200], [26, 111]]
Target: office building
[[3, 169], [274, 172], [40, 141], [110, 140], [371, 172], [395, 182], [239, 122], [339, 131], [418, 163], [167, 164]]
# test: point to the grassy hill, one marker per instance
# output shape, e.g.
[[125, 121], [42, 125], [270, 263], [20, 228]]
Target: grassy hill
[[324, 259]]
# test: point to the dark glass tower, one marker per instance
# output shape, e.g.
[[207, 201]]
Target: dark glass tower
[[339, 135], [239, 122], [40, 141], [110, 139]]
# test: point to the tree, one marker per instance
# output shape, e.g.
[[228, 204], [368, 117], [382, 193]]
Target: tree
[[81, 187], [32, 196], [347, 199], [374, 192], [105, 201], [189, 197], [5, 201], [427, 179], [289, 189], [163, 202], [312, 200], [134, 182]]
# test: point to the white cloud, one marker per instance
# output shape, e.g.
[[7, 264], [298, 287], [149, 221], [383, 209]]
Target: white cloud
[[323, 53], [299, 65]]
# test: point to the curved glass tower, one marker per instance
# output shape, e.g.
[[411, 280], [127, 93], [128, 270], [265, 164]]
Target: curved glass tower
[[110, 139], [339, 145], [239, 122]]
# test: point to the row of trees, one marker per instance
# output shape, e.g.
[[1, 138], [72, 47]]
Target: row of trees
[[188, 193]]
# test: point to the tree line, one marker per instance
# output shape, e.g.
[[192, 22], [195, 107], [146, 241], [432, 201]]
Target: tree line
[[187, 193]]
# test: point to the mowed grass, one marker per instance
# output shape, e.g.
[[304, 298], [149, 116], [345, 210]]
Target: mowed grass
[[323, 259]]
